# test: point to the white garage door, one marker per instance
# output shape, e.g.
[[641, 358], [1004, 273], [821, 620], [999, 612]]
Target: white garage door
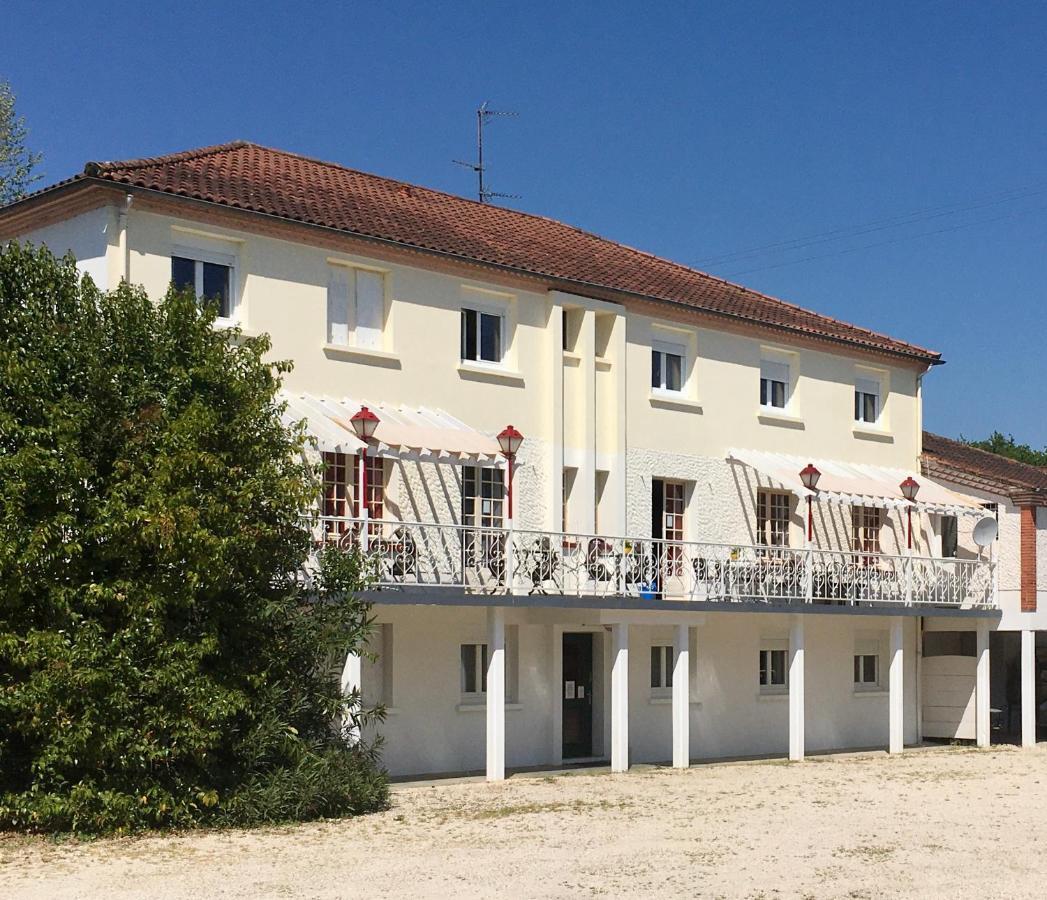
[[948, 676]]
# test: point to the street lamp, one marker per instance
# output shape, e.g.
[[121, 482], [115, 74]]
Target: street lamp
[[910, 488], [364, 423], [809, 475], [509, 440]]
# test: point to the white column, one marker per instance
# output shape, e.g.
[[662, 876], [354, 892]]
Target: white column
[[620, 698], [352, 673], [796, 690], [981, 687], [681, 698], [896, 687], [495, 693], [1028, 688]]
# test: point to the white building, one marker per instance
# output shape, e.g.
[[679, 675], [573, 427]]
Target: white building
[[1016, 493], [666, 587]]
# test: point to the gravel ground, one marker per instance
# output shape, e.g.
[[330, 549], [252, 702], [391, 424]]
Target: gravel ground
[[951, 822]]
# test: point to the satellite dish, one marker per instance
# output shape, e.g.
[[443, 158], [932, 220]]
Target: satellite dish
[[985, 531]]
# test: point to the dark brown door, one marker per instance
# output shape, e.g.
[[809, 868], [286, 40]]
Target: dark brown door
[[577, 690]]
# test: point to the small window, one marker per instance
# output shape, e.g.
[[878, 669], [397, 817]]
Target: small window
[[866, 401], [482, 336], [474, 669], [772, 518], [661, 668], [667, 367], [772, 669], [866, 522], [212, 282], [866, 670], [950, 537], [774, 384]]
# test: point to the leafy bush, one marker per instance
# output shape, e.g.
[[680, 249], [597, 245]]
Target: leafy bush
[[159, 664]]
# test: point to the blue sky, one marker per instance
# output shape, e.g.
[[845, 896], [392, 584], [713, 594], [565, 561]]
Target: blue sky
[[907, 142]]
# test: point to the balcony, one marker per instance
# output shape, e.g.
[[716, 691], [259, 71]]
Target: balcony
[[458, 560]]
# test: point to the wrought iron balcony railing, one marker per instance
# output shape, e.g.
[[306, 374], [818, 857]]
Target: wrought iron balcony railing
[[475, 560]]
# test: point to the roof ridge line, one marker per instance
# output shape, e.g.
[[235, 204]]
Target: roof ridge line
[[142, 162]]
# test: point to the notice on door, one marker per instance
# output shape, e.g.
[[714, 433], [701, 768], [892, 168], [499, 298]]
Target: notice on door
[[568, 690]]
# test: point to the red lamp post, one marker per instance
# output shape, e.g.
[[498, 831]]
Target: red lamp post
[[364, 423], [809, 475], [910, 488], [509, 440]]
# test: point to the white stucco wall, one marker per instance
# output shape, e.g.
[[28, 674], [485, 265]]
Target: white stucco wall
[[428, 731], [86, 236]]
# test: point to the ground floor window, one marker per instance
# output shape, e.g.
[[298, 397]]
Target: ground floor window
[[866, 670], [773, 671], [474, 670], [661, 668]]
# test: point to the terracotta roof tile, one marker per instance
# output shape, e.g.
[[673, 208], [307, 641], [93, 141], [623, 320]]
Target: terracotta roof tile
[[981, 464], [251, 177]]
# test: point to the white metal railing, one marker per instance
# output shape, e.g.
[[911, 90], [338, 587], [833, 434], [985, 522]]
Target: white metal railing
[[521, 561]]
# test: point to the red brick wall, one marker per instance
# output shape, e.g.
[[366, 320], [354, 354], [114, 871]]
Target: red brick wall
[[1028, 557]]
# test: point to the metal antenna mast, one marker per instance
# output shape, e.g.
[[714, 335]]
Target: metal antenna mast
[[482, 115]]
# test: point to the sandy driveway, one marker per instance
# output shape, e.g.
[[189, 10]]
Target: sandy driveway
[[949, 822]]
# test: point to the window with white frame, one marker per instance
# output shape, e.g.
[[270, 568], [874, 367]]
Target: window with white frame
[[866, 664], [773, 669], [661, 668], [774, 384], [483, 336], [772, 518], [667, 366], [474, 670], [866, 522], [866, 400], [355, 307], [211, 276], [950, 536]]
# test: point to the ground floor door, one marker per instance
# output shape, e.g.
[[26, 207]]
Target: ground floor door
[[577, 695]]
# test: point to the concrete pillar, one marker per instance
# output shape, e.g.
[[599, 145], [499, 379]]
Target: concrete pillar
[[351, 681], [1028, 688], [981, 687], [495, 693], [796, 689], [896, 687], [681, 698], [620, 697]]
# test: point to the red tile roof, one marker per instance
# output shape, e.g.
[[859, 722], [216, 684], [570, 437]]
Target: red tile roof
[[250, 177], [990, 469]]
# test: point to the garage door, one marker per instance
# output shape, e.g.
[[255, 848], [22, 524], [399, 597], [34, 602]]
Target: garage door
[[948, 676]]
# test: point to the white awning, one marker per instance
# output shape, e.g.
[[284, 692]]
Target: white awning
[[403, 432], [856, 484]]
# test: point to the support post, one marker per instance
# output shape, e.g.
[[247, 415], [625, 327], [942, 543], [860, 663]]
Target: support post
[[1028, 688], [351, 681], [681, 698], [495, 693], [896, 687], [796, 688], [981, 687], [620, 698]]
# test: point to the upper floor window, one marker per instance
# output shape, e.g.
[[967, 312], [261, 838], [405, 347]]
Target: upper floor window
[[950, 536], [483, 496], [866, 522], [866, 400], [483, 336], [667, 366], [355, 307], [210, 279], [774, 384], [772, 518]]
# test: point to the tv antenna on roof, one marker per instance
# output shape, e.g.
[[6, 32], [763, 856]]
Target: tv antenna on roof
[[482, 115]]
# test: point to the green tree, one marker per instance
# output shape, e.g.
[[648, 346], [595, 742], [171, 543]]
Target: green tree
[[1008, 446], [159, 663], [17, 163]]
